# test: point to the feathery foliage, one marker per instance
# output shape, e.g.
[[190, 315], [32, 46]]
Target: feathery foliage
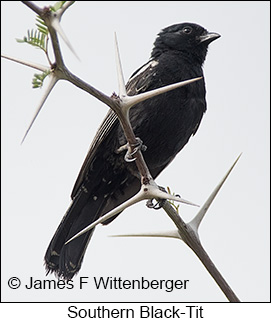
[[38, 79], [39, 38], [58, 5], [35, 38]]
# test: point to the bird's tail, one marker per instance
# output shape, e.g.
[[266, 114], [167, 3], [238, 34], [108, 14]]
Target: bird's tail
[[65, 259]]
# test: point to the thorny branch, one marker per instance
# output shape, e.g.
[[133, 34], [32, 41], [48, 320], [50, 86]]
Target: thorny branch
[[188, 232]]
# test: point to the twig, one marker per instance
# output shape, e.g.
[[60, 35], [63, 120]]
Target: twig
[[33, 7], [191, 238]]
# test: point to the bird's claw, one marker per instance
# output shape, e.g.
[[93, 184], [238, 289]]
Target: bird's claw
[[132, 150], [160, 203], [155, 206], [128, 157]]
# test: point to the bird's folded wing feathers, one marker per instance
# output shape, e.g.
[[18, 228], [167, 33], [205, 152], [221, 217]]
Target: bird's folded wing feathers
[[139, 82], [102, 133], [141, 79]]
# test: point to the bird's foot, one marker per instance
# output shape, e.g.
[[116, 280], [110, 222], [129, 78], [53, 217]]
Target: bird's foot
[[159, 204], [156, 206], [132, 150]]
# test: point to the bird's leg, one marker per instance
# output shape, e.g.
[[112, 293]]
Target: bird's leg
[[138, 146], [132, 149]]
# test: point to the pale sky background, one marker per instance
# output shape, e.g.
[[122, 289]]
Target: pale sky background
[[38, 176]]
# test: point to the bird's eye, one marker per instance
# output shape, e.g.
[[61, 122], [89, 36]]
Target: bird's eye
[[187, 30]]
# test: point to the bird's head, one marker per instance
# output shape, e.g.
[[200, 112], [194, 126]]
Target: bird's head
[[188, 38]]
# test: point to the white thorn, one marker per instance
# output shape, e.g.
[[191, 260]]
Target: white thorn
[[55, 23], [163, 234], [152, 191], [51, 84], [146, 192], [200, 215], [122, 87], [39, 67], [164, 195], [129, 101], [133, 200]]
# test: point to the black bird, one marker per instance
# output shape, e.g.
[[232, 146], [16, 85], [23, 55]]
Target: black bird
[[164, 124]]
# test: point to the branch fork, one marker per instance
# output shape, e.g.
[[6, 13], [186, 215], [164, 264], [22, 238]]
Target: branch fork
[[147, 192]]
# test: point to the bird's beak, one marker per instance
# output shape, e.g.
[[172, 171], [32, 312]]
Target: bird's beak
[[208, 37]]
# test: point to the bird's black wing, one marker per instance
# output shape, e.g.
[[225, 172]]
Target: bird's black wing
[[143, 78], [139, 82], [103, 132]]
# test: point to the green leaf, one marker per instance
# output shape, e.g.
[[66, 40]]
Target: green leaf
[[35, 38], [57, 6], [41, 26], [38, 79]]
